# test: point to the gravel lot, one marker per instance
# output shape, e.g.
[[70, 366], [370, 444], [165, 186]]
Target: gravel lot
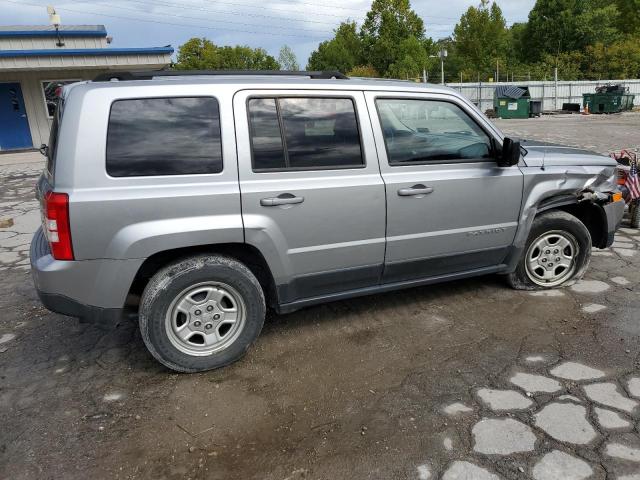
[[467, 380]]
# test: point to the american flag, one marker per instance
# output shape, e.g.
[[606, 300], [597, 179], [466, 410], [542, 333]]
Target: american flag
[[632, 183]]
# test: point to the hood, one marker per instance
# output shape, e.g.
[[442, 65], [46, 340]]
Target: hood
[[559, 155]]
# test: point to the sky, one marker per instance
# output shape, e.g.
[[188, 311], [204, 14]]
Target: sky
[[269, 24]]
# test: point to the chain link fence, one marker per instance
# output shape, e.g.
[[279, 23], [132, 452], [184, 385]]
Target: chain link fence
[[552, 94]]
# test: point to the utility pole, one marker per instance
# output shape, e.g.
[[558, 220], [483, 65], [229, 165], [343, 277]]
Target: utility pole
[[497, 70], [442, 54], [555, 81], [424, 75]]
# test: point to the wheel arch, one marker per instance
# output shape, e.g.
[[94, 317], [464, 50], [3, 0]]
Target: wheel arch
[[242, 252], [589, 213]]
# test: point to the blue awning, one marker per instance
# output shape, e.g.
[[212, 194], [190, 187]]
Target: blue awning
[[63, 31], [71, 52]]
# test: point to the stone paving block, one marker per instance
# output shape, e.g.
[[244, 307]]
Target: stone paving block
[[424, 472], [557, 465], [576, 371], [608, 394], [468, 471], [9, 257], [457, 408], [570, 398], [535, 383], [624, 252], [593, 308], [610, 420], [535, 359], [502, 436], [16, 240], [623, 452], [547, 293], [499, 400], [620, 281], [590, 286], [27, 222], [566, 422], [633, 384]]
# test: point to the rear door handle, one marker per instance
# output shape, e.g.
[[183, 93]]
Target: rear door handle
[[414, 191], [283, 199]]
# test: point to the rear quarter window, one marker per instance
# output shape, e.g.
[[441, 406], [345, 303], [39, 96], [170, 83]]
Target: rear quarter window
[[164, 136]]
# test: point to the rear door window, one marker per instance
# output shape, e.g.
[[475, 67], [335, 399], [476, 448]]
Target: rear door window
[[164, 136], [303, 133]]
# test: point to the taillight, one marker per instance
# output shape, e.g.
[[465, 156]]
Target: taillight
[[56, 210]]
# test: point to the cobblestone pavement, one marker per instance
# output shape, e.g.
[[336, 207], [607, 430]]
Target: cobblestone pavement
[[467, 380]]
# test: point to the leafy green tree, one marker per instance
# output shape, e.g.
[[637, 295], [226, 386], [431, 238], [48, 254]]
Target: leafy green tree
[[287, 59], [343, 52], [363, 71], [410, 59], [481, 37], [202, 54], [385, 35], [568, 25], [628, 16], [598, 23], [618, 60]]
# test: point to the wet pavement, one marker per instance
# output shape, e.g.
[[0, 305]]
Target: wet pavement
[[466, 380]]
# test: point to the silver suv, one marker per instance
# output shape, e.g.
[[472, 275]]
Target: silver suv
[[195, 200]]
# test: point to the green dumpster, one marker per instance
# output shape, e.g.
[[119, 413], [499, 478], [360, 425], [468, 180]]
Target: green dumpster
[[608, 99], [512, 102]]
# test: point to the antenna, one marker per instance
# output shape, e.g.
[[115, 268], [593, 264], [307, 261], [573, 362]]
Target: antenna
[[54, 19]]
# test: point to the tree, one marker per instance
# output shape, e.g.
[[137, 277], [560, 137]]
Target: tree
[[481, 37], [287, 59], [363, 71], [618, 60], [628, 16], [202, 54], [410, 59], [385, 35], [343, 52]]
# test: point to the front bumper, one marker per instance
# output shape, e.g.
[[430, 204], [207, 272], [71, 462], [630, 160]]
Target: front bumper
[[92, 290], [613, 212]]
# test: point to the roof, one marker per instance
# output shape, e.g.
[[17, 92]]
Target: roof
[[509, 91], [8, 31], [70, 52]]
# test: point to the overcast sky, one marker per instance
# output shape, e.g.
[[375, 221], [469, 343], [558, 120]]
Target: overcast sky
[[269, 24]]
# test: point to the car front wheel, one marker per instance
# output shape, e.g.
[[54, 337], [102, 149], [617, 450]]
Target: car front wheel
[[557, 253]]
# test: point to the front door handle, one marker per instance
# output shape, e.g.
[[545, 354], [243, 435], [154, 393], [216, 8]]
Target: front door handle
[[414, 191], [283, 199]]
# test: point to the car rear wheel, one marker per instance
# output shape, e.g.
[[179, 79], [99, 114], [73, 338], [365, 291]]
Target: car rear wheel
[[201, 313], [556, 254]]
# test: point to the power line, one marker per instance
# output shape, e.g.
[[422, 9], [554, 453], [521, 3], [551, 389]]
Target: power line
[[84, 12], [200, 18], [229, 12], [201, 9]]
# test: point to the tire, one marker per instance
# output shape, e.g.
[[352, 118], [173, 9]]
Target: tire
[[635, 214], [211, 290], [545, 230]]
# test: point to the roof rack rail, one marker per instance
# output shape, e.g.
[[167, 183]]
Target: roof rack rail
[[150, 74]]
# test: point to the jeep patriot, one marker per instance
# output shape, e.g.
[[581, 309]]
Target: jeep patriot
[[194, 200]]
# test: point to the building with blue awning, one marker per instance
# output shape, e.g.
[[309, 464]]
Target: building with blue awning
[[35, 61]]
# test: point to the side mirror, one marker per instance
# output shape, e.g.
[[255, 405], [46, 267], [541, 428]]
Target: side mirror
[[510, 152], [44, 149]]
